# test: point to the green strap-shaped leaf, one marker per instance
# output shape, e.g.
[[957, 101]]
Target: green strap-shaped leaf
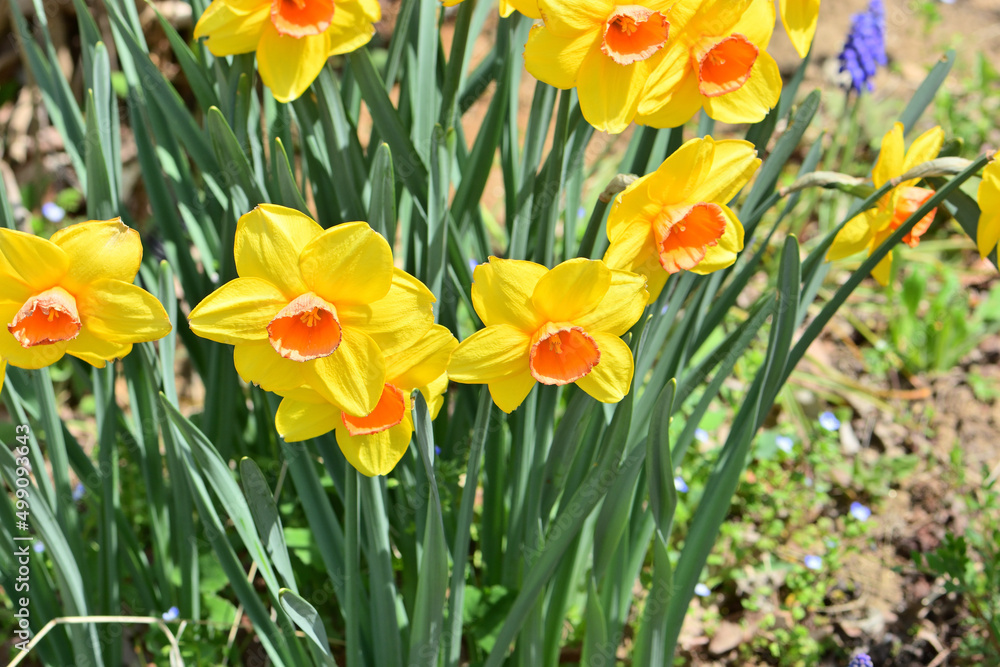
[[305, 616], [265, 516]]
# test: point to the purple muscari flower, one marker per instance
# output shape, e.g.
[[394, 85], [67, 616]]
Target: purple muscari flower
[[784, 443], [860, 512], [861, 660], [702, 591], [53, 212], [78, 491], [864, 50], [680, 484], [829, 421], [813, 562], [701, 435], [171, 614]]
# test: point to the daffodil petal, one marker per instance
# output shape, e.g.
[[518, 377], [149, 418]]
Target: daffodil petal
[[757, 22], [639, 201], [556, 59], [352, 25], [501, 292], [609, 93], [890, 157], [677, 104], [348, 264], [258, 363], [94, 350], [923, 149], [852, 238], [3, 372], [99, 249], [509, 391], [298, 420], [268, 242], [397, 320], [883, 270], [526, 7], [353, 376], [754, 99], [122, 312], [230, 28], [239, 311], [634, 249], [800, 18], [422, 362], [609, 381], [377, 453], [433, 392], [571, 290], [988, 196], [725, 252], [288, 65], [568, 16], [621, 306], [494, 352], [733, 164], [32, 261]]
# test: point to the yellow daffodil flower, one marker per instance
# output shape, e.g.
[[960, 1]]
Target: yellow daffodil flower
[[73, 294], [716, 59], [988, 196], [374, 443], [315, 308], [606, 50], [676, 219], [292, 38], [3, 371], [872, 227], [508, 7], [551, 326], [800, 18]]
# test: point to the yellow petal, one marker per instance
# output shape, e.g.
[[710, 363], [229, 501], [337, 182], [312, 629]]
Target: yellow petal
[[353, 25], [490, 353], [509, 391], [724, 253], [621, 306], [678, 100], [353, 376], [716, 17], [99, 249], [38, 356], [433, 392], [757, 22], [852, 238], [634, 250], [567, 16], [609, 93], [258, 363], [800, 18], [556, 59], [733, 163], [288, 65], [610, 379], [754, 99], [883, 270], [378, 453], [31, 261], [423, 362], [571, 290], [96, 351], [399, 319], [348, 264], [526, 7], [239, 311], [3, 371], [923, 149], [501, 292], [122, 312], [641, 200], [233, 27], [298, 420], [268, 242], [890, 157], [988, 196]]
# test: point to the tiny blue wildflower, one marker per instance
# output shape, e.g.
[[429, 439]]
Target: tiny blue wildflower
[[666, 307], [78, 491], [864, 50], [39, 547], [813, 562], [829, 421], [860, 512], [473, 264], [437, 450], [784, 443], [680, 484], [701, 435], [581, 212], [702, 591], [171, 614], [53, 212], [830, 543], [861, 660]]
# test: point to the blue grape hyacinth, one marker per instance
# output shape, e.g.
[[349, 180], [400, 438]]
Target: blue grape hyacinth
[[861, 660], [864, 50]]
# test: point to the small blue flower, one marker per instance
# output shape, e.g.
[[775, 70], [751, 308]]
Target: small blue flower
[[171, 614], [39, 547], [437, 450], [701, 435], [813, 562], [702, 591], [784, 443], [680, 484], [860, 512], [53, 212], [861, 660], [864, 50], [78, 491], [581, 212], [666, 307], [829, 421], [473, 264]]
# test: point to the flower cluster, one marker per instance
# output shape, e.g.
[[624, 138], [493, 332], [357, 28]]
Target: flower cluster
[[864, 51], [73, 294]]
